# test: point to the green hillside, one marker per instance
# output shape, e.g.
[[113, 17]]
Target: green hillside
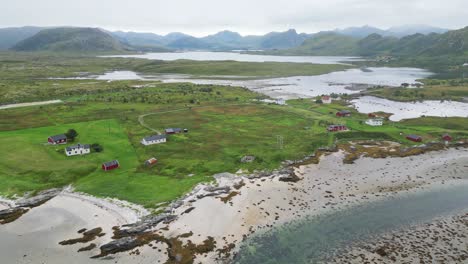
[[70, 40]]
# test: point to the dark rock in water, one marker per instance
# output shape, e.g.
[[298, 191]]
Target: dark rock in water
[[87, 237], [11, 214], [119, 245], [143, 225], [87, 248], [39, 199]]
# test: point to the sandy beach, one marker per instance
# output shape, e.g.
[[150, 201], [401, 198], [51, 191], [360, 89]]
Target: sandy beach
[[266, 202], [251, 206]]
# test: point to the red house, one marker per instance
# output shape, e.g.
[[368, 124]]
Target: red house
[[343, 113], [335, 128], [414, 138], [447, 137], [57, 139], [151, 162], [110, 165]]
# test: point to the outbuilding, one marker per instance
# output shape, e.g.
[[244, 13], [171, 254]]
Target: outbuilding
[[335, 128], [151, 162], [77, 150], [173, 130], [414, 138], [446, 137], [111, 165], [155, 139], [343, 113], [57, 139]]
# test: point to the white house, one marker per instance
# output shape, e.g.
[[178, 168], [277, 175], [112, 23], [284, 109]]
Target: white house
[[375, 122], [280, 101], [77, 150], [326, 99], [156, 139]]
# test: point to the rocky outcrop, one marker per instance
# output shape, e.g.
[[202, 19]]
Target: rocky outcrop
[[22, 206], [142, 226]]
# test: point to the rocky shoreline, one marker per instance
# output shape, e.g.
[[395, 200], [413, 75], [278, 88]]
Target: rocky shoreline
[[208, 224]]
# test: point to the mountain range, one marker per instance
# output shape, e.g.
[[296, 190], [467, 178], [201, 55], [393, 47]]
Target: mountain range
[[100, 40]]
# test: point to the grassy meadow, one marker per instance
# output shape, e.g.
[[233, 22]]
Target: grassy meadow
[[225, 124]]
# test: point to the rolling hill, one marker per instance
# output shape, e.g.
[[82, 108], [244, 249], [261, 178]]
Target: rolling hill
[[10, 36], [71, 40]]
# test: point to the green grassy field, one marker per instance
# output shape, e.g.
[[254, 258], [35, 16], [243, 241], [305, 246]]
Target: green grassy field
[[225, 124]]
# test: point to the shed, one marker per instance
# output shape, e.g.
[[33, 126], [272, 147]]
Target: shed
[[110, 165], [343, 113], [151, 162], [335, 128], [446, 137], [414, 138], [57, 139], [173, 130]]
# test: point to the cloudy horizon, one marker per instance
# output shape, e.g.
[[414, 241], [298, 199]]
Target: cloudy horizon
[[204, 17]]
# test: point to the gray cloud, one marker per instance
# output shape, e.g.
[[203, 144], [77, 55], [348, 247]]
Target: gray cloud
[[201, 17]]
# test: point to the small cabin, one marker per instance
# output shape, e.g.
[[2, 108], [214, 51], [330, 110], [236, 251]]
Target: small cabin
[[326, 99], [335, 128], [111, 165], [151, 162], [343, 113], [57, 139], [77, 150], [375, 122], [156, 139], [280, 101], [414, 138], [170, 131], [446, 137]]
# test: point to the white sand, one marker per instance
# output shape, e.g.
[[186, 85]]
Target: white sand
[[34, 237], [265, 202]]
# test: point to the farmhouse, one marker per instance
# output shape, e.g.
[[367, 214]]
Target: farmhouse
[[280, 101], [326, 99], [57, 139], [173, 130], [375, 122], [106, 166], [343, 113], [77, 150], [151, 140], [414, 138], [335, 128], [151, 162]]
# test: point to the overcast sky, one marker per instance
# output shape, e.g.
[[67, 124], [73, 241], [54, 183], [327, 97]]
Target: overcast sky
[[201, 17]]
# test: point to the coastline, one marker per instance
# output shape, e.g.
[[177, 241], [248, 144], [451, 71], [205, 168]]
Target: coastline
[[236, 207]]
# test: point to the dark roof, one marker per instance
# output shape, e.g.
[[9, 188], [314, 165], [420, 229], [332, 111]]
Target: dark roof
[[111, 163], [344, 112], [154, 137], [173, 130], [70, 148], [413, 136], [58, 137]]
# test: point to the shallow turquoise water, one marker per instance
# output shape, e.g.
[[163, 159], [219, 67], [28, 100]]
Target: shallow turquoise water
[[310, 239]]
